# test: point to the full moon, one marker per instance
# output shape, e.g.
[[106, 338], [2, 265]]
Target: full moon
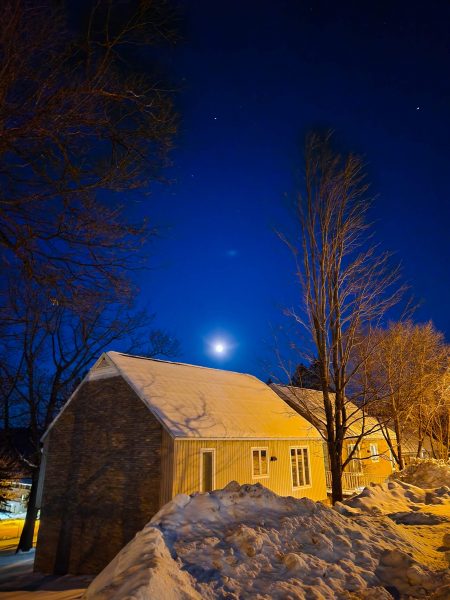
[[219, 348]]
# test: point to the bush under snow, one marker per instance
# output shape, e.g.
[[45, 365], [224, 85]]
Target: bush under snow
[[247, 542]]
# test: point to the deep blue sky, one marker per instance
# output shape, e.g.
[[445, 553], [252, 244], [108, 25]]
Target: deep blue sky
[[255, 76]]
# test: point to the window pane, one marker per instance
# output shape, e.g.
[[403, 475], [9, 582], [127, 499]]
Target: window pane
[[306, 466], [256, 462], [300, 467], [374, 452], [294, 468], [264, 469]]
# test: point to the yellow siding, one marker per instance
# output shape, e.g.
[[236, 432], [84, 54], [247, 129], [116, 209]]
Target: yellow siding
[[233, 461]]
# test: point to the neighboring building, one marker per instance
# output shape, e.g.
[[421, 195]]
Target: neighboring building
[[372, 460], [138, 431]]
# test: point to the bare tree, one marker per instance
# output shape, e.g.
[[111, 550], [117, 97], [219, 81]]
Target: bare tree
[[49, 347], [346, 285], [86, 122], [406, 379], [440, 422]]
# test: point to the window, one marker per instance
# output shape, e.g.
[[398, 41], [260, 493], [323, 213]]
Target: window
[[207, 469], [374, 452], [260, 464], [300, 467], [354, 466]]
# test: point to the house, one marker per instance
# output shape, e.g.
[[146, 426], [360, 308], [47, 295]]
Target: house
[[372, 462], [139, 431]]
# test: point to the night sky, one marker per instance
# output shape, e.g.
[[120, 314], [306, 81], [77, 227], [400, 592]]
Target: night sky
[[254, 77]]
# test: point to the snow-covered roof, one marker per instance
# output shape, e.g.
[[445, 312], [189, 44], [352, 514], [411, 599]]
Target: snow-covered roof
[[309, 403], [199, 402]]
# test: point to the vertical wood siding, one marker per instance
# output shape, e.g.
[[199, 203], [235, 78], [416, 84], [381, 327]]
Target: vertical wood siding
[[234, 462]]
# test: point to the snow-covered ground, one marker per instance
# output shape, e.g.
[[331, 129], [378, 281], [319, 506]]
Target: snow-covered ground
[[5, 514], [390, 541], [18, 582]]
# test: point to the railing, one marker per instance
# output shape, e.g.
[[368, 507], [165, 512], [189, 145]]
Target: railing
[[17, 485], [353, 482]]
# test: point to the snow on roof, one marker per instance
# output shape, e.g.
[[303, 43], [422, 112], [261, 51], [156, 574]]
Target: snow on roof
[[309, 404], [199, 402]]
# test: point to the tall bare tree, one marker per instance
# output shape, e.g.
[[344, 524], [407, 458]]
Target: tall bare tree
[[406, 379], [346, 285], [86, 122], [49, 346]]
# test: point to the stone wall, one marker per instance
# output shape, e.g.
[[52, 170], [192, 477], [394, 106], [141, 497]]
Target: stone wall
[[102, 479]]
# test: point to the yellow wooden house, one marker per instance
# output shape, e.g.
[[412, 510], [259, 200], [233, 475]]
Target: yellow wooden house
[[139, 431]]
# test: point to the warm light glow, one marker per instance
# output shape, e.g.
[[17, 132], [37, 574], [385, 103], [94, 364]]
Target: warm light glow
[[219, 348]]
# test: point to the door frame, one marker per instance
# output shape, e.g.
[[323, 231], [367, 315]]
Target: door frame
[[213, 462]]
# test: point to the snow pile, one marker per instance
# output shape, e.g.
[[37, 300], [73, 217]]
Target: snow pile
[[246, 542], [425, 473], [392, 497]]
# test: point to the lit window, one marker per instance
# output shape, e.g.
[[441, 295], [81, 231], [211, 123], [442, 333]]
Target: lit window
[[300, 467], [259, 462], [374, 452]]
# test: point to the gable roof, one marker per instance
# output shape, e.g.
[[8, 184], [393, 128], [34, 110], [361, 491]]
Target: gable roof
[[199, 402], [309, 403]]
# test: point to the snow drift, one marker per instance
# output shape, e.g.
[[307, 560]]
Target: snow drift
[[247, 542]]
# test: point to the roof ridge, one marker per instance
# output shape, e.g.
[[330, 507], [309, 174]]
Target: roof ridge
[[296, 387], [176, 362]]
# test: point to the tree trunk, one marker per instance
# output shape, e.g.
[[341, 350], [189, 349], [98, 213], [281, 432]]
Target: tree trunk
[[401, 464], [26, 538], [419, 448], [336, 475]]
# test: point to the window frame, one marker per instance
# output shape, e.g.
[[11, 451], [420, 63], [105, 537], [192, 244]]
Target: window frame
[[213, 452], [308, 454], [259, 449], [374, 456]]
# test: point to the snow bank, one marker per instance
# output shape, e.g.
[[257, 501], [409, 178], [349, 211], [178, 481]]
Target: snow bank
[[246, 542], [425, 473], [393, 497]]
